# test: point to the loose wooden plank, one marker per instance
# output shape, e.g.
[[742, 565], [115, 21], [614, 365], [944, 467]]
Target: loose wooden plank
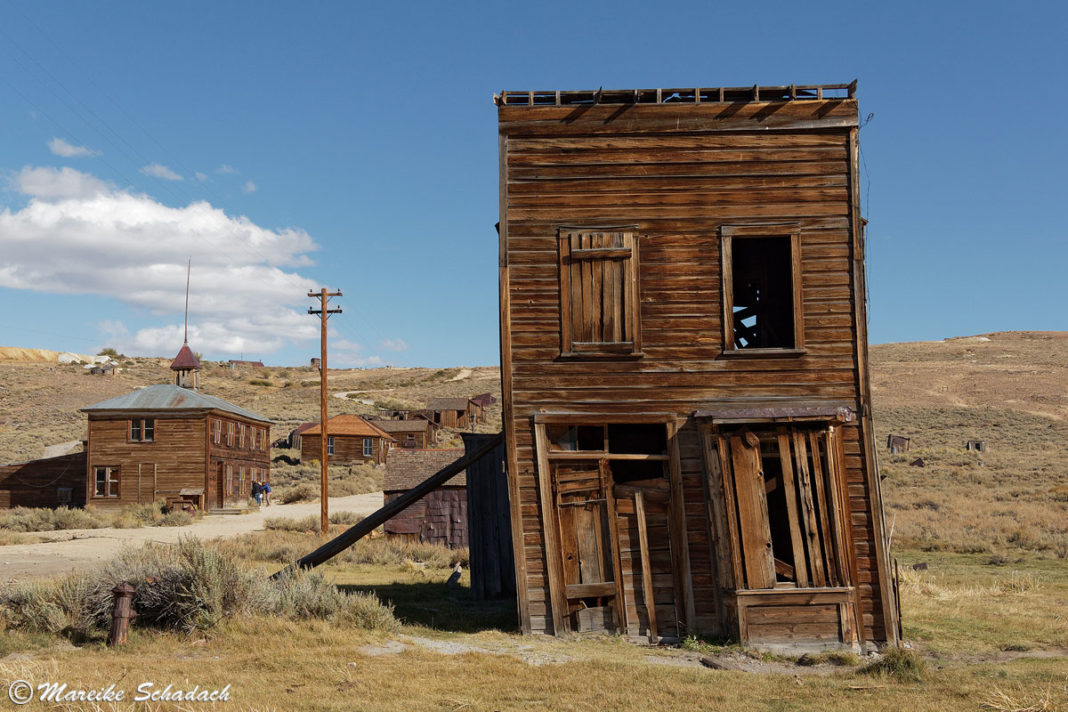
[[790, 492], [753, 523], [647, 573]]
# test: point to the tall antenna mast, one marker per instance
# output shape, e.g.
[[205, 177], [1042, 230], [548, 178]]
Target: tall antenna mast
[[188, 270]]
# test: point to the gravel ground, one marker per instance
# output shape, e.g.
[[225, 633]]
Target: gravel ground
[[81, 549]]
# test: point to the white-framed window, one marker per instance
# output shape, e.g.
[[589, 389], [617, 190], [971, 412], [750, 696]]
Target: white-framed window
[[142, 430], [330, 445], [106, 482], [368, 447]]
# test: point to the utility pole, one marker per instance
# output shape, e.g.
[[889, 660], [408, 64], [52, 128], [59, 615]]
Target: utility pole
[[324, 313]]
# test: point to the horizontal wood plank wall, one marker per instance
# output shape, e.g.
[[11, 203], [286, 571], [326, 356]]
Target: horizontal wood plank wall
[[255, 460], [178, 453], [679, 173], [36, 483], [347, 448]]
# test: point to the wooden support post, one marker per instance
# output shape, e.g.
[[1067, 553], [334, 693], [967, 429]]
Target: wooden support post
[[368, 524], [324, 313], [121, 613]]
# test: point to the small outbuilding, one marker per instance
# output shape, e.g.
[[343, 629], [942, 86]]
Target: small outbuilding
[[419, 433], [453, 412], [48, 482], [441, 516]]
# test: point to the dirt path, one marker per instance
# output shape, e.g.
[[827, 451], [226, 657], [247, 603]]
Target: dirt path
[[81, 549]]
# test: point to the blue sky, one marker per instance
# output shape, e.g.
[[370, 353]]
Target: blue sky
[[288, 146]]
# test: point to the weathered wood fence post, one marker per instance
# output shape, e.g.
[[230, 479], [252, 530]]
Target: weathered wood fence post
[[121, 614]]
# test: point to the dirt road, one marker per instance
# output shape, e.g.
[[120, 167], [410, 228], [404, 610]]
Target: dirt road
[[82, 549]]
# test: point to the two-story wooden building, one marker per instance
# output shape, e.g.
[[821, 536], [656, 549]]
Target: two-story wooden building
[[686, 398], [166, 441]]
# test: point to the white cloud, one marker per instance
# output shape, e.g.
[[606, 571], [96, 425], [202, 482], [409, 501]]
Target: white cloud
[[68, 150], [57, 183], [202, 177], [226, 169], [343, 353], [250, 187], [158, 170], [394, 344], [79, 235]]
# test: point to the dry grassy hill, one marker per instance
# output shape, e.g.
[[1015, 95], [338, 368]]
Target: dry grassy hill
[[1009, 389], [39, 402]]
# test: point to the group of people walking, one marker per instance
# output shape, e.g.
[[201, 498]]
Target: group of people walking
[[261, 492]]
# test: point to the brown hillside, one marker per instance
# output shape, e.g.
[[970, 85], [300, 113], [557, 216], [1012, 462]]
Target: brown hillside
[[39, 402], [1008, 389]]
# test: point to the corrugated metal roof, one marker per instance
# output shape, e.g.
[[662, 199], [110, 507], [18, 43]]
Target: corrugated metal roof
[[168, 397]]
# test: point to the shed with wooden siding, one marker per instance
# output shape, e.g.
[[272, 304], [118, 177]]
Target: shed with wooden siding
[[686, 399], [48, 482], [441, 516]]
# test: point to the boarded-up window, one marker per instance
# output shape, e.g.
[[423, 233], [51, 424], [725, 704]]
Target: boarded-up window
[[761, 288], [599, 310]]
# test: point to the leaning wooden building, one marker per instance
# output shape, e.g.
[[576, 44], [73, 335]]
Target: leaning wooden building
[[684, 364]]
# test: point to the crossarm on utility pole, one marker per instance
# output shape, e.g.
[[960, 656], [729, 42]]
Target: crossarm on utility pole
[[367, 525]]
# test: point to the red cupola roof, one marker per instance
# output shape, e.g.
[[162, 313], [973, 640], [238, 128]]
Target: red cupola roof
[[185, 360]]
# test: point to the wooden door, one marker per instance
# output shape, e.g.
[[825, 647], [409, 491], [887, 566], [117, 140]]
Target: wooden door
[[588, 546], [146, 482]]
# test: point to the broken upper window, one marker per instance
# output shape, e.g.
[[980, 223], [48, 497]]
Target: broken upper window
[[599, 310], [761, 287]]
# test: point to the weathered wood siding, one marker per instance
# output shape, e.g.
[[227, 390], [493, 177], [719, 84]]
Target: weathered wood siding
[[252, 458], [36, 483], [176, 458], [438, 518], [489, 522], [347, 449], [679, 173]]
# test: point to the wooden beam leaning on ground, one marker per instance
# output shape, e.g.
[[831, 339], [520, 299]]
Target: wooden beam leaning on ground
[[368, 524]]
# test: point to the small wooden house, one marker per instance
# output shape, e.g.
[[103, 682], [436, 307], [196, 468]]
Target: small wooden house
[[166, 441], [686, 398], [457, 413], [349, 439], [419, 433], [438, 518]]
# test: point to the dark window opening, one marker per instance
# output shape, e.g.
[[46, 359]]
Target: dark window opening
[[633, 471], [576, 437], [763, 293], [637, 439]]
